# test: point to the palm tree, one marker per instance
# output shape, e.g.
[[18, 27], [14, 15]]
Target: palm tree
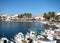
[[45, 16]]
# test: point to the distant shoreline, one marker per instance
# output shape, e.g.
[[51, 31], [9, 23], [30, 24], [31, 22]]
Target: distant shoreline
[[21, 21], [43, 22]]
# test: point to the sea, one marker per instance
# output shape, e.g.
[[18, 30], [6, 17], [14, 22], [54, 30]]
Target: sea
[[10, 29]]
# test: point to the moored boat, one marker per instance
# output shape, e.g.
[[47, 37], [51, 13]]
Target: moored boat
[[5, 40], [33, 37]]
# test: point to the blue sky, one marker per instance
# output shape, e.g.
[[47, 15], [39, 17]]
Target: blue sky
[[36, 7]]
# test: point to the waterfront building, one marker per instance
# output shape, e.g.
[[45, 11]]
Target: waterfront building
[[39, 18], [3, 17], [58, 15]]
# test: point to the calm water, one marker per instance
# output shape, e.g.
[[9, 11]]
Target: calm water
[[10, 29]]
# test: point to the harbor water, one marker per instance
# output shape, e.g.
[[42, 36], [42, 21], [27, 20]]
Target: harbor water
[[10, 29]]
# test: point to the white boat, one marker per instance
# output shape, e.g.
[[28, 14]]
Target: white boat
[[44, 22], [32, 35], [57, 25], [19, 37], [57, 31], [51, 24], [49, 33], [34, 38], [5, 40]]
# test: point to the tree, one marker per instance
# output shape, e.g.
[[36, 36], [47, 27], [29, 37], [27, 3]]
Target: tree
[[45, 16], [49, 12], [53, 14], [20, 16], [49, 15], [28, 15]]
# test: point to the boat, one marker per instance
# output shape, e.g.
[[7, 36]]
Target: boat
[[33, 37], [51, 23], [57, 25], [44, 22], [57, 31], [19, 37], [5, 40], [41, 38]]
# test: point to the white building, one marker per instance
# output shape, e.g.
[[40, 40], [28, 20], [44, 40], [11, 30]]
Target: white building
[[39, 18], [14, 17], [58, 14], [8, 18], [3, 17]]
